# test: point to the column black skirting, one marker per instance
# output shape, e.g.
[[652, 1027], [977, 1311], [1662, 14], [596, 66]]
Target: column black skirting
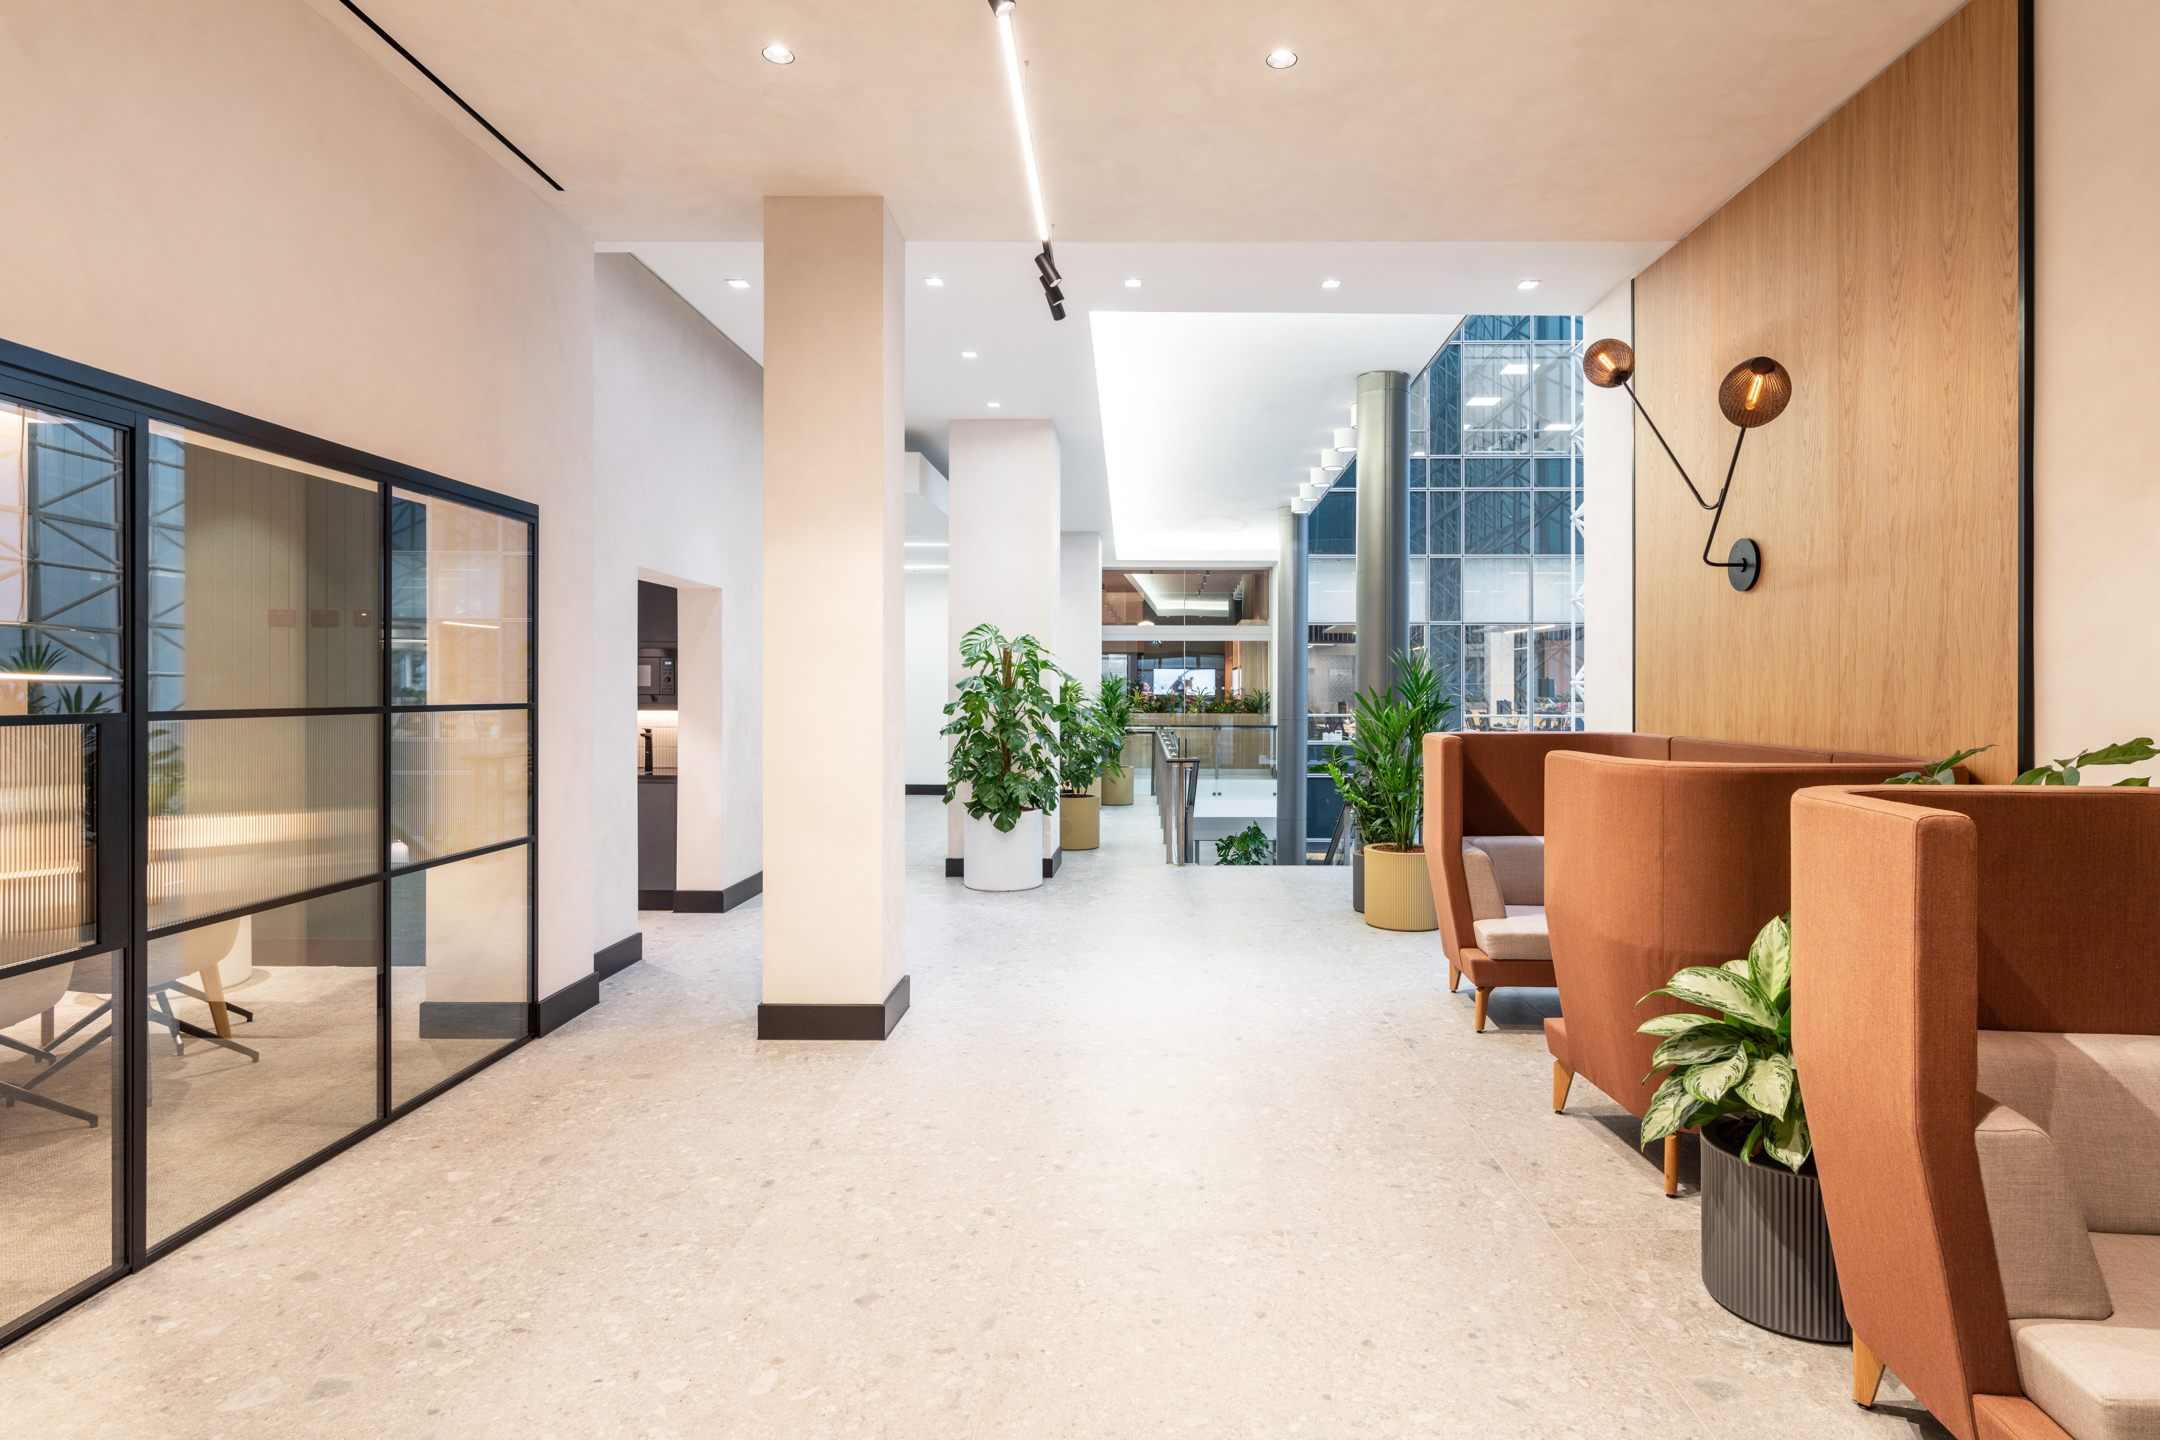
[[957, 869], [834, 1022], [925, 789], [619, 956], [566, 1004], [718, 902], [656, 899]]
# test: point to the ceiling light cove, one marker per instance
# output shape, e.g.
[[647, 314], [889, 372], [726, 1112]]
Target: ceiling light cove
[[778, 54], [1281, 59]]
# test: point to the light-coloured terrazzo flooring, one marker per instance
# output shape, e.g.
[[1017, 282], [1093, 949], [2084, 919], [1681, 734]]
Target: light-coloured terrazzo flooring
[[1156, 1151]]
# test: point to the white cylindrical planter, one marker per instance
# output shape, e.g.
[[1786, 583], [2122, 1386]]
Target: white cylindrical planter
[[1009, 860]]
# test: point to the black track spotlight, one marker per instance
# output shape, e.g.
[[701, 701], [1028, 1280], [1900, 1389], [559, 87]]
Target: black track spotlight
[[1047, 264], [1046, 269], [1001, 7]]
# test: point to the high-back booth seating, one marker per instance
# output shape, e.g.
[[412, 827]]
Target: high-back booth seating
[[1976, 1022], [1485, 848], [1653, 865]]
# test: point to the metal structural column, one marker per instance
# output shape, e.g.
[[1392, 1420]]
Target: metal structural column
[[1290, 701], [1383, 527]]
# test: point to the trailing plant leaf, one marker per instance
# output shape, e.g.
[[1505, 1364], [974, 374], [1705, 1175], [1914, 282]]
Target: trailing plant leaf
[[1938, 772], [1722, 990], [2067, 772]]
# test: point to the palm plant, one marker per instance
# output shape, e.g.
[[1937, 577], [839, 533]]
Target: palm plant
[[1114, 704], [1005, 728], [1738, 1061], [1383, 778]]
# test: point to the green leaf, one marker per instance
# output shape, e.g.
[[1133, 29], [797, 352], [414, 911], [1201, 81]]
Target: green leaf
[[2070, 775], [1788, 1141], [1717, 989], [1708, 1083], [1738, 967], [1677, 1023], [1768, 1085], [1699, 1048], [2135, 780], [2124, 752], [1668, 1111], [2036, 776], [1769, 959]]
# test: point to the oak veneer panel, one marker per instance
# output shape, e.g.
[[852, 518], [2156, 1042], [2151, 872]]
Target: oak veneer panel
[[1878, 261]]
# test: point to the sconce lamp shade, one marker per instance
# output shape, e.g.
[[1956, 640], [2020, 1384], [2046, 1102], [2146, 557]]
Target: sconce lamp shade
[[1755, 393], [1609, 364]]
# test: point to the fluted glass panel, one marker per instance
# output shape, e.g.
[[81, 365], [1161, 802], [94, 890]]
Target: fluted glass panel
[[459, 780], [48, 842], [460, 617]]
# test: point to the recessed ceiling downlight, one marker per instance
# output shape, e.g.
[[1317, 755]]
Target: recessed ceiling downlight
[[1132, 284], [738, 284], [1331, 284], [1527, 285], [778, 54], [1281, 59]]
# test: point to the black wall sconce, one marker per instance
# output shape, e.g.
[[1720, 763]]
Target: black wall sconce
[[1753, 394]]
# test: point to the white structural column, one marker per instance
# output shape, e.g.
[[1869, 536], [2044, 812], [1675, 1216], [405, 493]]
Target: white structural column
[[1004, 496], [1608, 419], [834, 962], [1079, 627]]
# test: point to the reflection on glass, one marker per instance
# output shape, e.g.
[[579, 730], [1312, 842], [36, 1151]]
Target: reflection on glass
[[61, 482], [1185, 597], [48, 849], [458, 990], [265, 579], [459, 628], [243, 811], [56, 1133], [263, 1044], [458, 781]]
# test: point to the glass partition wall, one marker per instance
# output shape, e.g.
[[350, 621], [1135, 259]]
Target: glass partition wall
[[266, 813]]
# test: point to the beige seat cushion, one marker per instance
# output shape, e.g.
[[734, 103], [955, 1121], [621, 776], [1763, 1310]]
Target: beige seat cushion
[[2098, 1098], [1518, 863], [2100, 1379], [1520, 935], [2046, 1257]]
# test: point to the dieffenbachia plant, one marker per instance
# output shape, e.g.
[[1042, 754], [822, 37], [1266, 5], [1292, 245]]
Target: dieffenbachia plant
[[1736, 1062]]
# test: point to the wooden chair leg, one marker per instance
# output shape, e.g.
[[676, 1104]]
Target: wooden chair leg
[[1672, 1164], [1562, 1079], [1484, 993], [1454, 977], [214, 995], [1866, 1373]]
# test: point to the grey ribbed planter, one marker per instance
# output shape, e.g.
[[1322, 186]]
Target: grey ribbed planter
[[1766, 1242], [1357, 882]]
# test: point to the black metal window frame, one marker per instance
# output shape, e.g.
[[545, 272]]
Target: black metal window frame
[[66, 387]]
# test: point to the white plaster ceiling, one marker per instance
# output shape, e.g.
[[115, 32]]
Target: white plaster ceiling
[[1402, 120], [1393, 304]]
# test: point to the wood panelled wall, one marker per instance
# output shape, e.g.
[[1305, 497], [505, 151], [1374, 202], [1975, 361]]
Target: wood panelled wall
[[1878, 261]]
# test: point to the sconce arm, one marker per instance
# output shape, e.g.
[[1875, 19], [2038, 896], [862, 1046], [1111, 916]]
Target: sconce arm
[[1630, 386], [1717, 512]]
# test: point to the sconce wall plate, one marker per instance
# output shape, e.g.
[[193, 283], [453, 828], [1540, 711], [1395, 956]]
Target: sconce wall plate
[[1745, 566]]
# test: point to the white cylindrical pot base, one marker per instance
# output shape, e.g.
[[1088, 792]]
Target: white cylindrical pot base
[[1010, 860]]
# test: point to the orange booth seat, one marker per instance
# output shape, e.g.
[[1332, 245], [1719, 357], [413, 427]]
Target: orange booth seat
[[1976, 1022], [1657, 864]]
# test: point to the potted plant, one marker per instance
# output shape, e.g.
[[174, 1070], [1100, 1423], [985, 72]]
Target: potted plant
[[1005, 757], [1081, 757], [1249, 846], [1383, 783], [1115, 702], [1765, 1240]]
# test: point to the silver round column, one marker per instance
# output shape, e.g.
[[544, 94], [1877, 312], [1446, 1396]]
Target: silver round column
[[1290, 700], [1383, 525]]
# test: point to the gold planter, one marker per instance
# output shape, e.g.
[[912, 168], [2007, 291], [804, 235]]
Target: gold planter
[[1080, 825], [1118, 791], [1398, 889]]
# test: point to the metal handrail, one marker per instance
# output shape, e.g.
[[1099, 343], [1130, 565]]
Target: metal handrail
[[1176, 788]]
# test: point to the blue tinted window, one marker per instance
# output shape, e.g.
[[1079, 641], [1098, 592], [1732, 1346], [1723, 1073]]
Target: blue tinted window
[[1496, 522], [1334, 524]]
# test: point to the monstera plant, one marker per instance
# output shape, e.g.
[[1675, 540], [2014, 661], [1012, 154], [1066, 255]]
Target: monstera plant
[[1005, 728], [1738, 1061]]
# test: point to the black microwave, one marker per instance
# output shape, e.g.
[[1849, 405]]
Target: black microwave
[[655, 678]]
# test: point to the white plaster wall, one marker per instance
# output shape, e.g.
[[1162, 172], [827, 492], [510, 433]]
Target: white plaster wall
[[928, 685], [1004, 487], [234, 201], [679, 463], [1609, 531], [1079, 627], [2096, 479]]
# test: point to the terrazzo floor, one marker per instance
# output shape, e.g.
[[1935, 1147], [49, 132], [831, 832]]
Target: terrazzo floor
[[1156, 1151]]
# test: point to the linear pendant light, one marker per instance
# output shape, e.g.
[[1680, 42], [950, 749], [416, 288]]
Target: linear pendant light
[[1045, 264]]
